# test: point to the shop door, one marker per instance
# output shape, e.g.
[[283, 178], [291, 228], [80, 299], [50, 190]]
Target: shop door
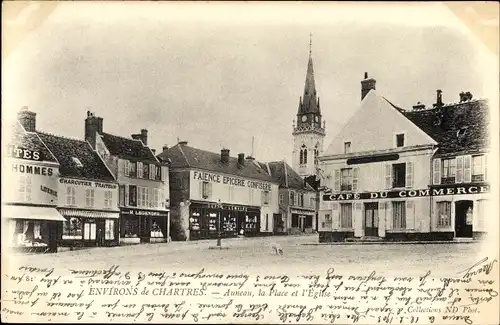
[[100, 233], [371, 219], [145, 229], [463, 218]]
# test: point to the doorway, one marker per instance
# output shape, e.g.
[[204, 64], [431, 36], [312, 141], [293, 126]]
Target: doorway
[[463, 218], [371, 219]]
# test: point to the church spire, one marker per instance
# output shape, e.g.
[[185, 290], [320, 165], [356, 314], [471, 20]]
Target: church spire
[[309, 102]]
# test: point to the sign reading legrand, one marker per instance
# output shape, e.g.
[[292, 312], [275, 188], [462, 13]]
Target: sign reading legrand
[[77, 182], [230, 180], [466, 189], [138, 212]]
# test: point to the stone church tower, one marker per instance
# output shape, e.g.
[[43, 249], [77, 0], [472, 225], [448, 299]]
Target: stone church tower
[[309, 129]]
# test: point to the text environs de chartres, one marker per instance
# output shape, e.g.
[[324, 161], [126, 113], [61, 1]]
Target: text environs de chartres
[[471, 189], [230, 180]]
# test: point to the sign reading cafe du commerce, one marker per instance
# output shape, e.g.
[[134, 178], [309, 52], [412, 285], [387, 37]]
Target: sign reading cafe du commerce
[[452, 190], [229, 180]]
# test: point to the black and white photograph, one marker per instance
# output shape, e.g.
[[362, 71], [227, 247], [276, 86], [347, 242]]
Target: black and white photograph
[[250, 162]]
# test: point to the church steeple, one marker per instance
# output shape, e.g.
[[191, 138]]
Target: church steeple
[[310, 103]]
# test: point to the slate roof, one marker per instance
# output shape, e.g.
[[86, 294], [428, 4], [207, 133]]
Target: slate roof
[[128, 148], [64, 149], [183, 156], [30, 141], [288, 178], [471, 116]]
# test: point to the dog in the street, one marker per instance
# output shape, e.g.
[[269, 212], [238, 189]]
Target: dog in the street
[[277, 248]]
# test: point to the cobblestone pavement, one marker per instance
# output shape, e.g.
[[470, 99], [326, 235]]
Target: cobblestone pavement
[[255, 254]]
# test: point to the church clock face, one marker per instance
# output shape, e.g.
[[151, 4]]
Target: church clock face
[[304, 118]]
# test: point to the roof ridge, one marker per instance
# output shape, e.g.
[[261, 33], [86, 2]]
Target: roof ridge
[[47, 147], [60, 136], [286, 173], [122, 137]]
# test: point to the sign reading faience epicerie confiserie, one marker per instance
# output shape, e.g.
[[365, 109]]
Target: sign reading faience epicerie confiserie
[[229, 180], [466, 189]]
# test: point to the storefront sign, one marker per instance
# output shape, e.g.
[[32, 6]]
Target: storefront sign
[[138, 212], [48, 190], [222, 179], [23, 153], [452, 190], [309, 213], [30, 169], [77, 182], [227, 207]]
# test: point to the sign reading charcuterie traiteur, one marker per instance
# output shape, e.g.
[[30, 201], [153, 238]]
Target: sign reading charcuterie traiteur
[[452, 190]]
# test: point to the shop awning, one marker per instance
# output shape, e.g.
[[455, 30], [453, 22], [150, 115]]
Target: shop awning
[[32, 213], [89, 214]]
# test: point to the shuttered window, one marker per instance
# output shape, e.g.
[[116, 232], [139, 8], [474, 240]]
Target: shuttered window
[[399, 215], [409, 174], [460, 170], [436, 174], [443, 211], [346, 215], [336, 183], [388, 176], [467, 169]]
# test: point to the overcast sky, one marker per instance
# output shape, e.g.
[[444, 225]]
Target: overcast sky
[[216, 75]]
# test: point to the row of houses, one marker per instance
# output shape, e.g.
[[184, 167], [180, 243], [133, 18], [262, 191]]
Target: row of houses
[[107, 190], [414, 174]]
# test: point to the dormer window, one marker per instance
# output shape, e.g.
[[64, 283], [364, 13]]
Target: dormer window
[[461, 132], [77, 162]]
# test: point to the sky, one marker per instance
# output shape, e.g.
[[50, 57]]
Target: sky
[[217, 75]]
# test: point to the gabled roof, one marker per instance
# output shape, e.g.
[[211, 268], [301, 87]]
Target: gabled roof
[[443, 125], [183, 156], [128, 148], [288, 178], [65, 149], [30, 141]]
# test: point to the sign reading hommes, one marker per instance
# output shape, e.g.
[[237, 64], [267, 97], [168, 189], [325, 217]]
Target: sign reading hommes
[[221, 179], [468, 189]]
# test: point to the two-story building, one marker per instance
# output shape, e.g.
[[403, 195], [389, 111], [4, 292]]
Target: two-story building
[[378, 175], [297, 200], [143, 182], [211, 191], [30, 171], [88, 194]]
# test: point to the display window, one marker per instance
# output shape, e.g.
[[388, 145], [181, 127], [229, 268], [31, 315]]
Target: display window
[[28, 233]]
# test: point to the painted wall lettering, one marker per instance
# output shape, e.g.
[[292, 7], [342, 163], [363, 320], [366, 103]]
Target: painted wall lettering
[[29, 169]]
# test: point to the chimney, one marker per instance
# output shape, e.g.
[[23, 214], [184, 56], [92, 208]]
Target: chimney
[[439, 98], [154, 151], [27, 119], [250, 158], [93, 125], [366, 85], [465, 96], [144, 136], [183, 143], [224, 156], [241, 158], [136, 136], [418, 107], [164, 148]]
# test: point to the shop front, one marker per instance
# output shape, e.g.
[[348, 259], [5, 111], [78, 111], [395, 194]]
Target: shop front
[[302, 220], [87, 228], [143, 226], [31, 229], [235, 220]]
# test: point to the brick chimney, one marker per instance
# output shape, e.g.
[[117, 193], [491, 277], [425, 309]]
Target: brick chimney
[[27, 119], [439, 99], [164, 148], [136, 136], [93, 125], [241, 158], [144, 136], [366, 85], [224, 156], [250, 158], [183, 143]]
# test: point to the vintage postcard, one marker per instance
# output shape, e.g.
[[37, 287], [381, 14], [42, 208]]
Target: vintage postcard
[[250, 162]]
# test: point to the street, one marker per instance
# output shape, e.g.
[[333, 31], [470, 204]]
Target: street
[[256, 255]]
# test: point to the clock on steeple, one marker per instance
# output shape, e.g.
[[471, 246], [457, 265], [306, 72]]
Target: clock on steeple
[[308, 133]]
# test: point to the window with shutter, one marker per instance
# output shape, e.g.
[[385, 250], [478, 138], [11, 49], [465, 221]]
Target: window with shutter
[[163, 175], [121, 167], [139, 170], [460, 169], [336, 184], [436, 172], [410, 215], [467, 169], [355, 175], [399, 215], [127, 167], [388, 176], [409, 174], [133, 194], [127, 195]]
